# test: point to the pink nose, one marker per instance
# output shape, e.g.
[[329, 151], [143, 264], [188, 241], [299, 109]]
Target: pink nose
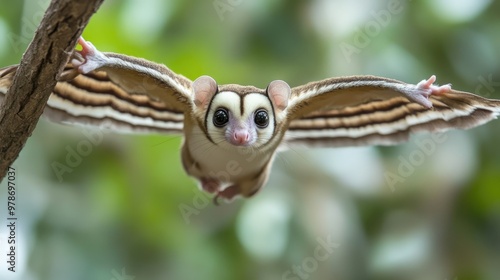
[[241, 137]]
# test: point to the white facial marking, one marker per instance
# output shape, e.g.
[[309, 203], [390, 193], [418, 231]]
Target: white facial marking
[[240, 129]]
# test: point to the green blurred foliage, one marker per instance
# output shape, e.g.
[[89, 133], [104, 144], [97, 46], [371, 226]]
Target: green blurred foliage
[[122, 206]]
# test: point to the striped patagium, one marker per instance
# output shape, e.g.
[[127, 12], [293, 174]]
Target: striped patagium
[[232, 132]]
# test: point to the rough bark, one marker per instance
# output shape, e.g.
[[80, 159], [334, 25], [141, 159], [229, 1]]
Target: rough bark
[[36, 77]]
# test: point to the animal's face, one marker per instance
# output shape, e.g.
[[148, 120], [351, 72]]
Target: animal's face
[[239, 116], [240, 119]]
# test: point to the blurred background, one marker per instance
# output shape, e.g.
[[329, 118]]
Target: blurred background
[[427, 209]]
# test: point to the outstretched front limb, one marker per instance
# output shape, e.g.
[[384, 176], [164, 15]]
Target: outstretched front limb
[[425, 89], [93, 59]]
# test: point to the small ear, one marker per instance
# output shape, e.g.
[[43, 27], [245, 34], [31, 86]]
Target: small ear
[[279, 92], [204, 89]]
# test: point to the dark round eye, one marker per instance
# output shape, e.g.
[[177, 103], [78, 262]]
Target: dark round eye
[[261, 119], [221, 117]]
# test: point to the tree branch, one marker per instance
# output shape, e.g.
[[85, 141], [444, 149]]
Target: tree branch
[[36, 77]]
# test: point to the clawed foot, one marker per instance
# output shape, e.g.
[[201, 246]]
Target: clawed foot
[[214, 186], [428, 85], [425, 89], [227, 194], [93, 59], [210, 185]]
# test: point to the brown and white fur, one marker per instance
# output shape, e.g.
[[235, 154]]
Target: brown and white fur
[[243, 150], [232, 132]]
